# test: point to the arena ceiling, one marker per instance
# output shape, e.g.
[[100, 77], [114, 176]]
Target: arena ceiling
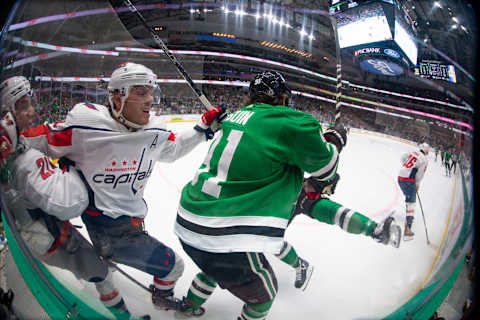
[[181, 25]]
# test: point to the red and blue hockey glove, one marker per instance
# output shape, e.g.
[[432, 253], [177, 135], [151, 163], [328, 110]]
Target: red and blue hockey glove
[[210, 121]]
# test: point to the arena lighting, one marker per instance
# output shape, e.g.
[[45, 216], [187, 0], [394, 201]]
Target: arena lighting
[[240, 12], [62, 48], [226, 10], [246, 84], [455, 19], [282, 47], [437, 4], [302, 32], [288, 66], [463, 28], [257, 15], [310, 36]]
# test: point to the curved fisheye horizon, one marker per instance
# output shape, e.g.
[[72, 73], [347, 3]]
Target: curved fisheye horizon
[[238, 159]]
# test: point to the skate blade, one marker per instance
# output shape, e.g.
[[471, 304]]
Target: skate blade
[[407, 238], [395, 236], [309, 275]]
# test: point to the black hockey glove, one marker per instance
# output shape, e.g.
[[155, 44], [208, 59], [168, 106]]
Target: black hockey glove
[[64, 164], [323, 187], [314, 190], [336, 135], [210, 121]]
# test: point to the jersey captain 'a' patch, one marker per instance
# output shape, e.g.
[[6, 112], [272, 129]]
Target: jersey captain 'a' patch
[[240, 117]]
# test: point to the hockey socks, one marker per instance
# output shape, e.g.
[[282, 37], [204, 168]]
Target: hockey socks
[[256, 311], [201, 289], [409, 221], [288, 255]]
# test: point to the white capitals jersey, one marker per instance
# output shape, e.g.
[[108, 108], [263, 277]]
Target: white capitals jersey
[[115, 162], [40, 184], [414, 165]]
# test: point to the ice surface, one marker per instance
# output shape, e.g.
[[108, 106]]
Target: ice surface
[[354, 277]]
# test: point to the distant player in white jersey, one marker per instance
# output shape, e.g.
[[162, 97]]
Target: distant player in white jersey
[[115, 148], [414, 165], [43, 197]]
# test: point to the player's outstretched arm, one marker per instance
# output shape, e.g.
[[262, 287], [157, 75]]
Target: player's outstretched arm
[[316, 205]]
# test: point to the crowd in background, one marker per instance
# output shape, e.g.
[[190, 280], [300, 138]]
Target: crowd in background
[[53, 105]]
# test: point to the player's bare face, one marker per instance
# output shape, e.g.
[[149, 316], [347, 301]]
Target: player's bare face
[[25, 114], [138, 105]]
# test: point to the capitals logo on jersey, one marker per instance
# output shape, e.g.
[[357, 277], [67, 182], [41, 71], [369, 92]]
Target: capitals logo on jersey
[[125, 172]]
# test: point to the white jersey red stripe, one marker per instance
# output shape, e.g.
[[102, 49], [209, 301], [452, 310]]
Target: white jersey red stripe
[[414, 165], [115, 162]]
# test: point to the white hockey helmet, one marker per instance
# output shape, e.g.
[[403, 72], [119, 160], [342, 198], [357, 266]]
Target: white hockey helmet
[[128, 74], [424, 147], [12, 89]]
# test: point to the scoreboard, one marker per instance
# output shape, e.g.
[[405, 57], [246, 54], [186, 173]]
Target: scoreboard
[[436, 70], [342, 5]]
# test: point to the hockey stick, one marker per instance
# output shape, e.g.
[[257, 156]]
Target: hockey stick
[[115, 266], [423, 215], [172, 58]]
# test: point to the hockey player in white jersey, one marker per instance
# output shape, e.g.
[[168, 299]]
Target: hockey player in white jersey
[[414, 165], [43, 197], [115, 148]]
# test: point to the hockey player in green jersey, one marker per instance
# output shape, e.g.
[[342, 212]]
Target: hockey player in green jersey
[[242, 198]]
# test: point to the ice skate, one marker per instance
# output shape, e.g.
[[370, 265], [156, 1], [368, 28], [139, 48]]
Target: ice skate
[[387, 232], [408, 234], [164, 301], [187, 310], [304, 273]]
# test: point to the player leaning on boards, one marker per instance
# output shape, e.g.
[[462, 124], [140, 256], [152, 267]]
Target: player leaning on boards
[[242, 198], [414, 165], [115, 148], [43, 197]]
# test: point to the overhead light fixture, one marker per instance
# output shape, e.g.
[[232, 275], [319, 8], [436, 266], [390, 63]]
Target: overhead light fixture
[[257, 16], [302, 32], [310, 36], [192, 10], [455, 19], [437, 4]]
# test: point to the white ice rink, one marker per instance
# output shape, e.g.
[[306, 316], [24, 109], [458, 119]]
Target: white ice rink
[[354, 277]]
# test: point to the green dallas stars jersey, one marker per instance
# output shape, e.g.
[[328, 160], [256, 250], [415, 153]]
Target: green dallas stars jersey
[[241, 198]]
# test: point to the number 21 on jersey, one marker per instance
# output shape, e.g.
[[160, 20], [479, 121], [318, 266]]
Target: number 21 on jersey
[[211, 185]]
